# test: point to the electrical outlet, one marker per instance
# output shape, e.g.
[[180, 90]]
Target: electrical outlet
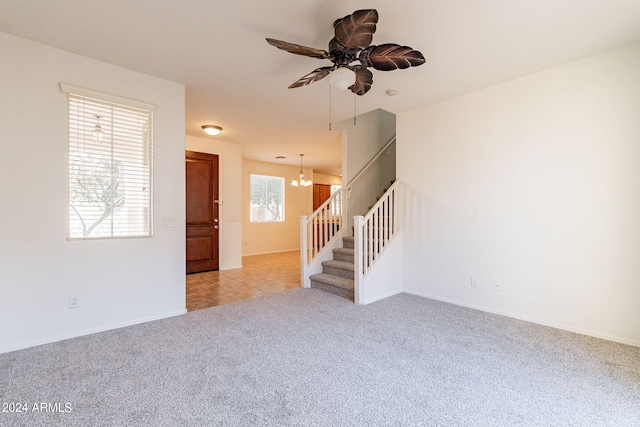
[[497, 286], [477, 209], [474, 282], [74, 302]]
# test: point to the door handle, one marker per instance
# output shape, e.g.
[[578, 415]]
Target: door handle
[[216, 227], [216, 220]]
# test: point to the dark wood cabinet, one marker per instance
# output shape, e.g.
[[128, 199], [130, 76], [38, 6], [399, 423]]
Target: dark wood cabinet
[[321, 192]]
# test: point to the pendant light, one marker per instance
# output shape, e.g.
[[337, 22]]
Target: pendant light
[[301, 181]]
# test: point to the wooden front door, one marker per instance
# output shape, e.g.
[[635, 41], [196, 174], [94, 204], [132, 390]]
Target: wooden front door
[[202, 212]]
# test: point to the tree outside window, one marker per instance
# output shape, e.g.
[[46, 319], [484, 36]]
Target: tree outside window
[[95, 190], [266, 198]]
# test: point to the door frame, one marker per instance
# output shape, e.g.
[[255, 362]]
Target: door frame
[[206, 231]]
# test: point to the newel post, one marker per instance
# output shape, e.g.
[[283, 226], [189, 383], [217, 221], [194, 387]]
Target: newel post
[[358, 279], [304, 276]]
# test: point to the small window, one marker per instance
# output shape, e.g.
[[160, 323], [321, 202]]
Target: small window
[[266, 198], [336, 205], [110, 166]]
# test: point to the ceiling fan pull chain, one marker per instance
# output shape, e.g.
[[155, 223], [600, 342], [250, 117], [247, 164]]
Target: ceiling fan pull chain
[[354, 109], [330, 118]]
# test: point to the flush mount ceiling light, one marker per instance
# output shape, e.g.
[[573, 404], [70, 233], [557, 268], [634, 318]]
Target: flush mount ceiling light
[[211, 129], [301, 181]]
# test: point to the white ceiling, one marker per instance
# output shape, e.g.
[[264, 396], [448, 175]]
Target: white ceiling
[[234, 79]]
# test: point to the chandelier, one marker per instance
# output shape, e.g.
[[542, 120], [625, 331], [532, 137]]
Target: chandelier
[[301, 181]]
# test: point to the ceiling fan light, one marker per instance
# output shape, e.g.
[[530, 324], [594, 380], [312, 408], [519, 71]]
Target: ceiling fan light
[[342, 78], [211, 129]]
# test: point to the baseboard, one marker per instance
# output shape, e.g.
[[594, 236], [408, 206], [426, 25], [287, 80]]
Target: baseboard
[[230, 267], [381, 297], [273, 252], [63, 337], [569, 328]]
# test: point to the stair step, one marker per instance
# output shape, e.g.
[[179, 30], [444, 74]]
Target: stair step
[[348, 242], [339, 268], [344, 254], [333, 284]]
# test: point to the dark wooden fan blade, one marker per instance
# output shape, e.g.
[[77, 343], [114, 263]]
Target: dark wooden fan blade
[[314, 76], [387, 57], [299, 50], [355, 31], [364, 80]]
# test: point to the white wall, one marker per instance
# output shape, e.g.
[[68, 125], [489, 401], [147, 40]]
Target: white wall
[[271, 237], [361, 142], [117, 282], [321, 178], [552, 160], [385, 278], [230, 193]]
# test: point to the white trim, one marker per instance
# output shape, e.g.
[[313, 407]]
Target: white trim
[[531, 320], [91, 331], [272, 252], [103, 96], [383, 296], [304, 253], [358, 273]]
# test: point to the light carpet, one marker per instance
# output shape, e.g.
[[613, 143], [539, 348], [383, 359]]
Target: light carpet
[[309, 358]]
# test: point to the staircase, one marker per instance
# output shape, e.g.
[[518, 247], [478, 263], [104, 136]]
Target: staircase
[[341, 265], [337, 275]]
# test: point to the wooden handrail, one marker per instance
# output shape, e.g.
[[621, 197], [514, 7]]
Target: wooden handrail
[[382, 150]]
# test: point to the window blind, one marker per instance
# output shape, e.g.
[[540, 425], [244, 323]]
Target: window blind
[[266, 195], [110, 169]]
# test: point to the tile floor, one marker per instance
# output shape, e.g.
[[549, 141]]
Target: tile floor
[[260, 275]]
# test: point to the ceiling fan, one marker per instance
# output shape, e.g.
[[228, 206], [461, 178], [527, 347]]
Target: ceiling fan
[[351, 49]]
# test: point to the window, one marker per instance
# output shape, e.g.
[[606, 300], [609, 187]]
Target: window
[[266, 198], [336, 206], [110, 166]]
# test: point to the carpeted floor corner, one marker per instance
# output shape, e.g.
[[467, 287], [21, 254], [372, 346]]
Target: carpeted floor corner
[[308, 358]]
